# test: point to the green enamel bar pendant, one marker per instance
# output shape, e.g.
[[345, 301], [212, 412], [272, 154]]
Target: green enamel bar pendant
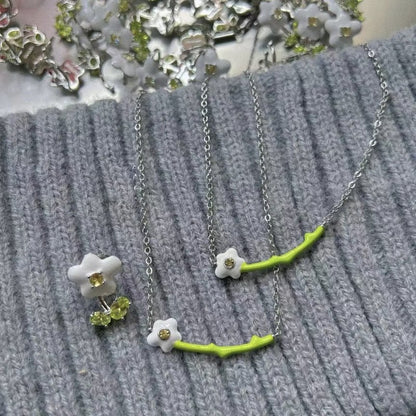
[[227, 350], [165, 335], [229, 264]]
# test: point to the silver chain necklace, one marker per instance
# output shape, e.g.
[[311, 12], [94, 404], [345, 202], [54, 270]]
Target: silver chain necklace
[[164, 333], [264, 189]]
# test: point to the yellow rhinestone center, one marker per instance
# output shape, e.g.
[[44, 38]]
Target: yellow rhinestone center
[[164, 334], [346, 32], [96, 279], [210, 69], [278, 14], [313, 21], [229, 263]]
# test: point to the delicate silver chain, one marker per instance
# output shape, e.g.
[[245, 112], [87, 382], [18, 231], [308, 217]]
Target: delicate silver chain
[[266, 205], [372, 143], [140, 183], [139, 178], [209, 196], [262, 162], [264, 189]]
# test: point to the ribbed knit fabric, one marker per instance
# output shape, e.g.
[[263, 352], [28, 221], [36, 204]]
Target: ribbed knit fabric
[[348, 306]]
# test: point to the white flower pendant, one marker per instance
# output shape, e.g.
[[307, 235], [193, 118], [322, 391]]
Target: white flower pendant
[[229, 264], [164, 334]]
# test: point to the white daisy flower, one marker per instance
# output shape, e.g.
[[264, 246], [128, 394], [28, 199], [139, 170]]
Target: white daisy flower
[[334, 7], [311, 21], [209, 60], [341, 30], [272, 16], [164, 334], [229, 264]]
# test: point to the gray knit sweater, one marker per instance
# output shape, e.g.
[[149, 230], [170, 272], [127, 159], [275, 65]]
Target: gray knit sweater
[[348, 305]]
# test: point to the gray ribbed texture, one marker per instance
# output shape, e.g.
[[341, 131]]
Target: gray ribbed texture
[[349, 306]]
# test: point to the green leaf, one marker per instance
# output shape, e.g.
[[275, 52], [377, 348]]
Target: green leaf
[[292, 40], [100, 318], [119, 308]]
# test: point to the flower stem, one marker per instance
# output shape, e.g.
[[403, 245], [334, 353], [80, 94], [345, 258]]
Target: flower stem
[[103, 304]]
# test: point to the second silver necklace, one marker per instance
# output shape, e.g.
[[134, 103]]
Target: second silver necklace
[[164, 333]]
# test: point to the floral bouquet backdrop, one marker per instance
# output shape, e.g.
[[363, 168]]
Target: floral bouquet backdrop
[[154, 44]]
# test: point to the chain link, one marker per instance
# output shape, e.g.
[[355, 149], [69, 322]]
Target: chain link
[[262, 162], [264, 188], [385, 95], [348, 190], [209, 196], [139, 180], [277, 316], [261, 145]]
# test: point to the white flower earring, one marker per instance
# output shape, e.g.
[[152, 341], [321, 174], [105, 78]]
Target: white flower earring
[[95, 277]]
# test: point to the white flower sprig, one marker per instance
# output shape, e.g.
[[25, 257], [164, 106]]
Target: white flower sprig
[[311, 21]]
